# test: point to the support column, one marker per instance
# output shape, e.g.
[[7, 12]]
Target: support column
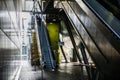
[[63, 54], [74, 59], [82, 48]]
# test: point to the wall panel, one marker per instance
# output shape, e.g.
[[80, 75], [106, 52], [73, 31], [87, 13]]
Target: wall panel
[[10, 49]]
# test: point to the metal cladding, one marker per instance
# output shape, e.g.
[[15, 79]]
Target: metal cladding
[[100, 40], [10, 55]]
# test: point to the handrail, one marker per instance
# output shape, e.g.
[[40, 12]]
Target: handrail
[[43, 35], [104, 15]]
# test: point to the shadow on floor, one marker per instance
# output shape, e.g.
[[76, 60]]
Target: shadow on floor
[[66, 71]]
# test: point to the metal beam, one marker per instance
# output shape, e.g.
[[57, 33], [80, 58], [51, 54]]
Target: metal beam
[[82, 48], [64, 54]]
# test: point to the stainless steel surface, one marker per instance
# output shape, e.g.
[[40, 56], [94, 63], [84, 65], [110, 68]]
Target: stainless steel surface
[[100, 42], [9, 38], [104, 15]]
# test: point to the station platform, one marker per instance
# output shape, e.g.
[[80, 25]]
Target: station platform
[[66, 71]]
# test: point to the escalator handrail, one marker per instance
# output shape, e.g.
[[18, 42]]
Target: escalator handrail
[[48, 44], [102, 14], [49, 49]]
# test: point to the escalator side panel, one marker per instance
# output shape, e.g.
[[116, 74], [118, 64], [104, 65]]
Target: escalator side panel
[[85, 37], [45, 46], [107, 17], [104, 20], [95, 38]]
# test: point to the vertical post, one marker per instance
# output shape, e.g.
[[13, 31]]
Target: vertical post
[[97, 76], [42, 64], [63, 54], [74, 59], [81, 73], [82, 48]]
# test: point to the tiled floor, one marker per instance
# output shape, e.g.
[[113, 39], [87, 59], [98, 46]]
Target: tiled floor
[[66, 71]]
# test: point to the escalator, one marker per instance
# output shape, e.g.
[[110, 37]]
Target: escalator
[[98, 33], [47, 31], [47, 57]]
